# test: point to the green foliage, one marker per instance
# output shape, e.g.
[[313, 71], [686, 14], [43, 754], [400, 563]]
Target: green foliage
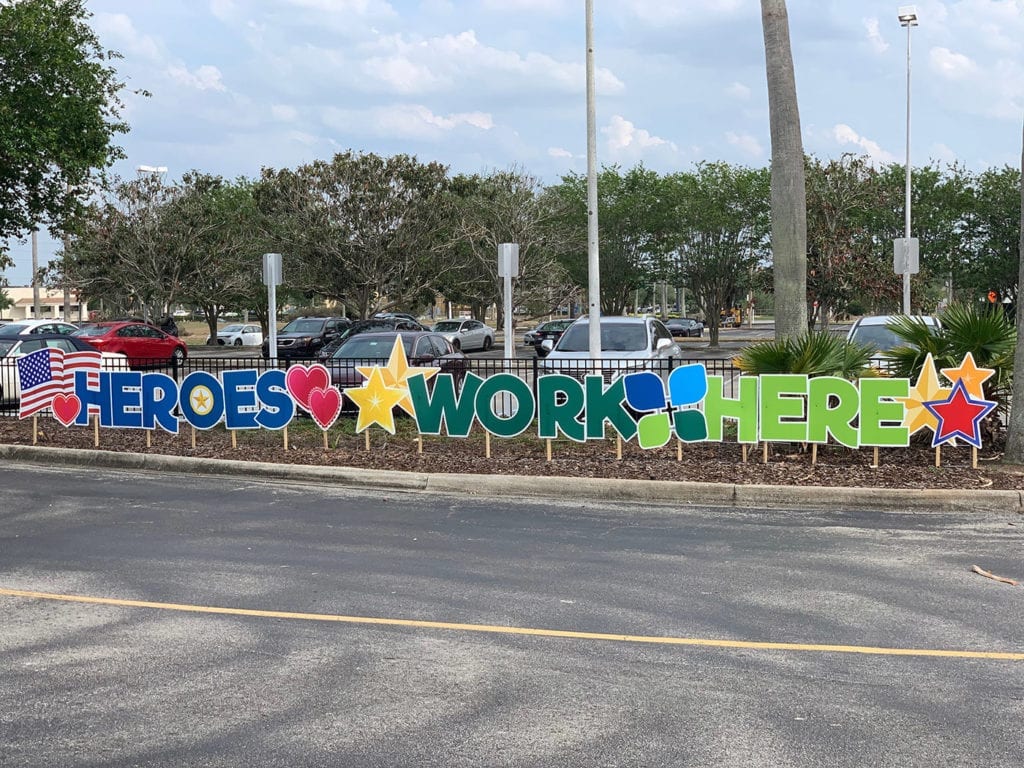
[[814, 354], [59, 113], [983, 330]]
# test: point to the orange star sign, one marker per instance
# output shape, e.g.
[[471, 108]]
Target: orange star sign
[[926, 389], [397, 374], [971, 375], [375, 401]]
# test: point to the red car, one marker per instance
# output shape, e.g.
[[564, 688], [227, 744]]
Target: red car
[[144, 345]]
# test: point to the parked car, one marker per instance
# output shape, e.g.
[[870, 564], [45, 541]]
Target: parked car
[[144, 345], [684, 327], [627, 344], [373, 325], [27, 327], [303, 337], [13, 347], [873, 331], [552, 329], [396, 316], [465, 335], [422, 348], [238, 335]]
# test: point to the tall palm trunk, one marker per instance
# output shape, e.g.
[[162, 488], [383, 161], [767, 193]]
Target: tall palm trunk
[[789, 196], [1015, 429]]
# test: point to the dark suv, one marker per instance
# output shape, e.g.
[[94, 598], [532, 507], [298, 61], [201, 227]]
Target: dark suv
[[304, 336]]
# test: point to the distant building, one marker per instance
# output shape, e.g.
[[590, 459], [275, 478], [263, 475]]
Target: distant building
[[51, 305]]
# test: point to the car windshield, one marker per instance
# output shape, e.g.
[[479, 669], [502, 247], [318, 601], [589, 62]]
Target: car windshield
[[231, 329], [90, 330], [304, 326], [12, 330], [877, 337], [554, 325], [6, 345], [615, 337], [370, 348], [448, 326]]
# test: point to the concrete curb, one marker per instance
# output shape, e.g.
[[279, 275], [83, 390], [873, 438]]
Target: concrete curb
[[575, 488]]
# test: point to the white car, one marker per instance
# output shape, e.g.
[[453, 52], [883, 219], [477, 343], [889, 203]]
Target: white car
[[872, 331], [238, 335], [29, 327], [627, 344], [466, 334], [13, 347]]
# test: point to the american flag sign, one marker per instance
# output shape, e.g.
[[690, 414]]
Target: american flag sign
[[49, 372]]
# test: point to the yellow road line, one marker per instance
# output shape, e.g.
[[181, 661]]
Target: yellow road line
[[494, 629]]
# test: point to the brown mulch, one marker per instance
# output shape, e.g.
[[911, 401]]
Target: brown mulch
[[912, 467]]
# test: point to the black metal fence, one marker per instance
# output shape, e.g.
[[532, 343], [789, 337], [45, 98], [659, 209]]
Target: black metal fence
[[528, 369]]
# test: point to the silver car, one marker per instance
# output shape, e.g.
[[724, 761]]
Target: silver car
[[465, 335], [627, 344]]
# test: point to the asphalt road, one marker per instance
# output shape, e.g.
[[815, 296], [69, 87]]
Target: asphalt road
[[667, 606]]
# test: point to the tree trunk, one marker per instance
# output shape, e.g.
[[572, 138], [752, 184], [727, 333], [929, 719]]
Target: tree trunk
[[789, 197], [1015, 428]]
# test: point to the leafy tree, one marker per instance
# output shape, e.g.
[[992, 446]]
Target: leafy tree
[[992, 260], [59, 113], [635, 218], [365, 230], [789, 200], [722, 218]]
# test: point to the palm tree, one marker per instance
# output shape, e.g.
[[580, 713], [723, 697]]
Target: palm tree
[[789, 196], [1015, 424]]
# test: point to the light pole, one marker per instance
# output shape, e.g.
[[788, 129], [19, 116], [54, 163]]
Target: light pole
[[908, 18], [593, 259]]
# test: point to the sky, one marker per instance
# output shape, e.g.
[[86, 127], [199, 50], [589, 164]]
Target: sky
[[238, 85]]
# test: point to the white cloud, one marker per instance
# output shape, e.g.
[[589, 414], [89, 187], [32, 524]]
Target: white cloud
[[942, 153], [284, 113], [558, 152], [738, 91], [407, 121], [204, 78], [664, 12], [845, 135], [222, 9], [117, 31], [953, 66], [346, 7], [745, 143], [444, 63], [625, 143], [875, 35]]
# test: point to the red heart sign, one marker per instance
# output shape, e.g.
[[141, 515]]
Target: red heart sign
[[324, 406], [65, 408], [300, 381]]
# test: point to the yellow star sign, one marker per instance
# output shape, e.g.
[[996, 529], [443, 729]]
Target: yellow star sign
[[397, 374], [926, 389], [201, 399], [971, 375], [376, 400]]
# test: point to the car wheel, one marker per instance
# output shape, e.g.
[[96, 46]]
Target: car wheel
[[488, 343], [178, 356], [238, 342]]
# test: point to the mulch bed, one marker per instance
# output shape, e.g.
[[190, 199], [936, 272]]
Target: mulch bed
[[912, 467]]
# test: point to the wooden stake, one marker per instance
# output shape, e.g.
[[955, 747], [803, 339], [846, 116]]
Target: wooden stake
[[285, 431], [679, 449], [938, 456], [618, 447], [487, 445], [96, 431], [234, 439], [326, 444], [974, 457], [814, 454], [193, 438], [764, 453], [419, 444], [35, 429], [745, 453], [875, 464], [547, 449], [366, 438], [149, 438]]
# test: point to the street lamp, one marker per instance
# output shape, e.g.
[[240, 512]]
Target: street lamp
[[907, 16]]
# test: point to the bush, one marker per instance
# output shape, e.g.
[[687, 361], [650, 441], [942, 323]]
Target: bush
[[815, 354]]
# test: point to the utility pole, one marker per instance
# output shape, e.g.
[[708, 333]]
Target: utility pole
[[35, 275]]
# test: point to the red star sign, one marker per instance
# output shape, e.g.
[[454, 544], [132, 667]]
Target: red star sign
[[959, 415]]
